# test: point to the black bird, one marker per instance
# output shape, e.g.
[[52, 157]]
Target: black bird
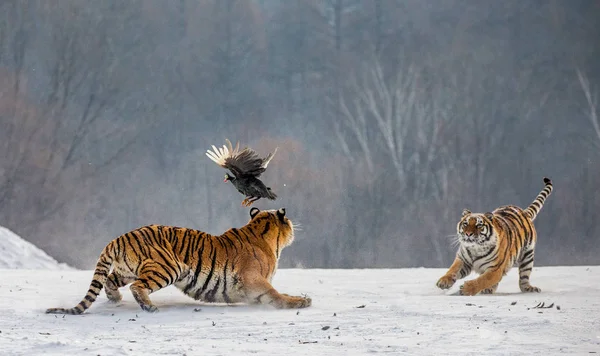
[[246, 166]]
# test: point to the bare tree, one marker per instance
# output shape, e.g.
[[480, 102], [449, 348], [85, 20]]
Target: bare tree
[[392, 114], [73, 133], [429, 110], [222, 60], [19, 126], [592, 102], [392, 119]]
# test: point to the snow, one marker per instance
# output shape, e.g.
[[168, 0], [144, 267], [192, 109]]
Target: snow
[[354, 312], [17, 253]]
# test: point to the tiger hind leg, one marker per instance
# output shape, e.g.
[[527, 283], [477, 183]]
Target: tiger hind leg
[[525, 267], [112, 285], [151, 278], [260, 291]]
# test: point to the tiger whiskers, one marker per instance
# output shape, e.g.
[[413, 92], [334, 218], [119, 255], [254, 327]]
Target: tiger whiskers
[[454, 240], [297, 226]]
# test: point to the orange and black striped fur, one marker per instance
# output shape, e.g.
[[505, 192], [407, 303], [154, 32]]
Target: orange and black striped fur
[[235, 267], [492, 243]]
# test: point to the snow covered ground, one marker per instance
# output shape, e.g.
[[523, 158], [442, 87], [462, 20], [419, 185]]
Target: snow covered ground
[[16, 253], [394, 311]]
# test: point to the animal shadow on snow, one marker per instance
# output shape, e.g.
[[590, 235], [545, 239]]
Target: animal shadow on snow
[[497, 294], [128, 307]]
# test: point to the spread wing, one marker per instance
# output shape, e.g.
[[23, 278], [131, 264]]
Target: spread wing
[[242, 163]]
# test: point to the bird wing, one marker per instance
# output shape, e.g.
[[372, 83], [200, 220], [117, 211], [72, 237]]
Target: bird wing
[[242, 163]]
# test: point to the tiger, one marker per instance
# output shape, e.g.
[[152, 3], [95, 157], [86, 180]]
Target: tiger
[[235, 267], [492, 243]]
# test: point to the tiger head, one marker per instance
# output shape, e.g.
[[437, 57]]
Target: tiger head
[[273, 225], [476, 229]]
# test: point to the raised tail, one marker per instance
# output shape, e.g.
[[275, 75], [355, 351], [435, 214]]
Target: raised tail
[[100, 275], [535, 207]]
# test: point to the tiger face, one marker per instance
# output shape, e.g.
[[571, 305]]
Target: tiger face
[[273, 223], [476, 229]]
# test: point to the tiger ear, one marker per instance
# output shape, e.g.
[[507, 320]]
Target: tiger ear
[[281, 212], [466, 212], [489, 216], [254, 211]]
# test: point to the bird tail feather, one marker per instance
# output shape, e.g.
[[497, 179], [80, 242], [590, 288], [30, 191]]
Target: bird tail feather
[[220, 154], [269, 158]]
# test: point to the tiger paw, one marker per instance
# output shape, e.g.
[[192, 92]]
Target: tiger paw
[[114, 298], [468, 288], [490, 290], [150, 308], [300, 302], [305, 302], [530, 289], [446, 282]]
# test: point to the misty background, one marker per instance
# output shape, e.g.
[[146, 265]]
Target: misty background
[[390, 117]]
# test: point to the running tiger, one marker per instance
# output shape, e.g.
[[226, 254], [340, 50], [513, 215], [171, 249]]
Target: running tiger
[[235, 267], [491, 243]]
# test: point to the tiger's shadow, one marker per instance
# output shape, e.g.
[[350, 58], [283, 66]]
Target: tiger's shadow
[[177, 306], [497, 294]]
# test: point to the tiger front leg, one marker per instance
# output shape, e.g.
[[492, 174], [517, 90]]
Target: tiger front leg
[[259, 291], [487, 282], [459, 269]]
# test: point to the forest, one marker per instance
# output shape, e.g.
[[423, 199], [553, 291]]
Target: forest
[[390, 117]]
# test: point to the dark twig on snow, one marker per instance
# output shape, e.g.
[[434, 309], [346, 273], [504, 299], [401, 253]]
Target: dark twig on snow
[[542, 305]]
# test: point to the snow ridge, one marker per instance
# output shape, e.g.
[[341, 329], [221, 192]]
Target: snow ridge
[[17, 253]]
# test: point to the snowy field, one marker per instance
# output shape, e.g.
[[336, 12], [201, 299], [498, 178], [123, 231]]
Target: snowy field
[[393, 311]]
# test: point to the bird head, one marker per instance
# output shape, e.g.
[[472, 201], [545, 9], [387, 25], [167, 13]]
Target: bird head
[[228, 177]]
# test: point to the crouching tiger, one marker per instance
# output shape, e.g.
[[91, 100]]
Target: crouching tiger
[[235, 267], [491, 243]]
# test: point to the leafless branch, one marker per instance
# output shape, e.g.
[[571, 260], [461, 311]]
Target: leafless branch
[[592, 101]]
